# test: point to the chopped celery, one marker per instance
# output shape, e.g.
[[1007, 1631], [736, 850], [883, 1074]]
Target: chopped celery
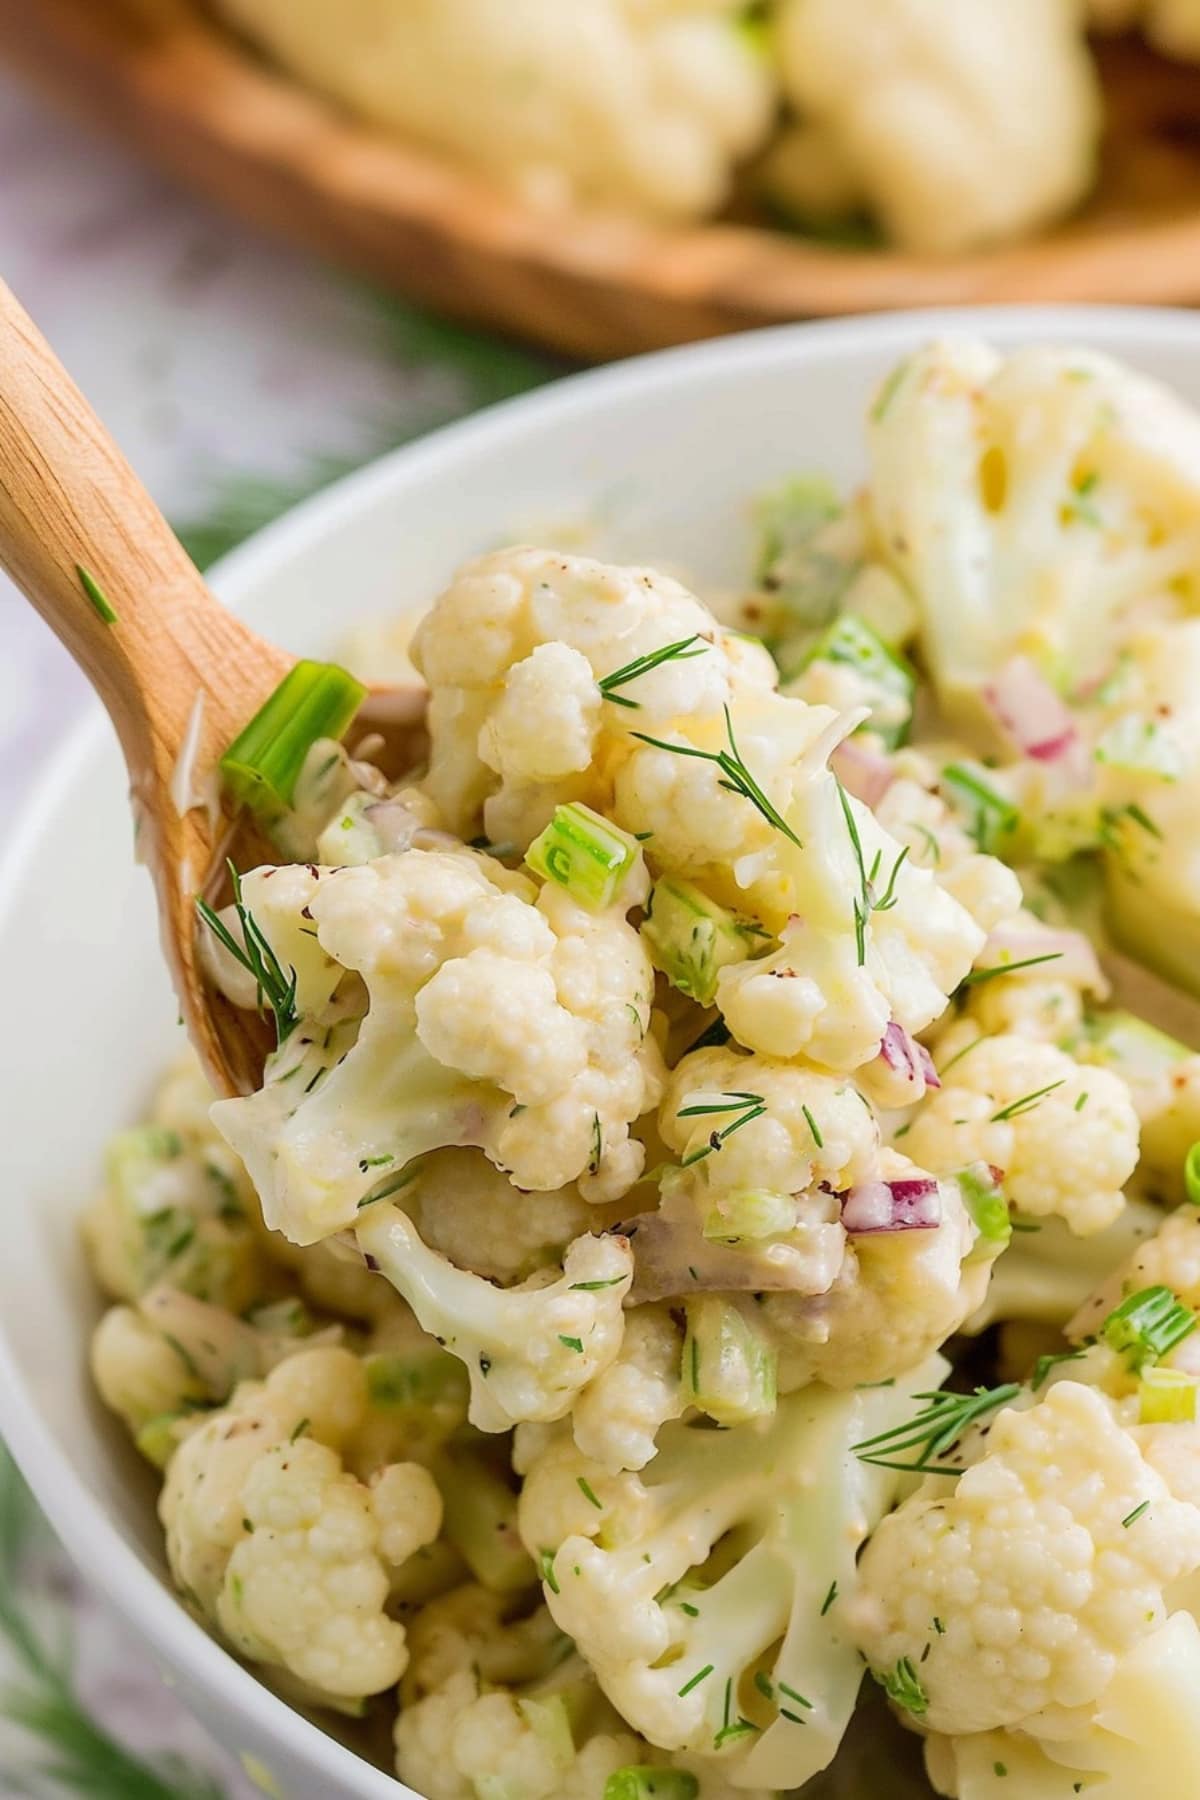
[[584, 854], [1191, 1174], [753, 1213], [1133, 1049], [1166, 1397], [691, 939], [787, 517], [651, 1784], [158, 1438], [282, 1318], [984, 1199], [728, 1367], [549, 1719], [1140, 746], [423, 1392], [989, 814], [890, 679], [481, 1522], [314, 700], [1148, 1325]]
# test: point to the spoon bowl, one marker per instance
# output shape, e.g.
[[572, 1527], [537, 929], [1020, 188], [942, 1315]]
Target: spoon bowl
[[179, 675]]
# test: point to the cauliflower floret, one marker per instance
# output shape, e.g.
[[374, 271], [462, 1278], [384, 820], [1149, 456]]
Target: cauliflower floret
[[462, 1743], [176, 1206], [897, 1296], [514, 652], [1065, 1137], [472, 1215], [957, 128], [492, 1021], [1140, 1739], [918, 816], [668, 1638], [273, 1540], [634, 105], [1038, 504], [1021, 1588], [142, 1376], [528, 1350], [1148, 789], [307, 1587], [765, 1148], [617, 1417], [866, 938], [170, 1353], [1054, 977], [1163, 1077], [725, 780]]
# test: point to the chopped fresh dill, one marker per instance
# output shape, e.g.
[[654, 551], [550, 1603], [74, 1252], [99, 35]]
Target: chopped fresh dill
[[978, 976], [681, 651], [256, 956], [697, 1678], [935, 1431], [572, 1343], [817, 1139], [1016, 1108], [829, 1599], [748, 1107], [588, 1492], [1133, 1517]]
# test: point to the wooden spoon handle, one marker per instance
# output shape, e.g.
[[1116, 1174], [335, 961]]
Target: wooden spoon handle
[[69, 501]]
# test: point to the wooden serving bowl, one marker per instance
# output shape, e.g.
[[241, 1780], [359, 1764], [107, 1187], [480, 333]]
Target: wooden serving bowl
[[194, 100]]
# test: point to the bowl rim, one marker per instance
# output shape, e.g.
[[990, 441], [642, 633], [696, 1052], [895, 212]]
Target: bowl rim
[[143, 1603]]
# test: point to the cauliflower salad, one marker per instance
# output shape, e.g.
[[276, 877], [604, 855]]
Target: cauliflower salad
[[718, 1234]]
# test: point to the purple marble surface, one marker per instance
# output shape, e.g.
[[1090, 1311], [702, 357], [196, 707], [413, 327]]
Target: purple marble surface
[[211, 355]]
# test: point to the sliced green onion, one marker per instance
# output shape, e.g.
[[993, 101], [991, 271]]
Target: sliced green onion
[[984, 1199], [1142, 746], [96, 595], [691, 939], [890, 679], [990, 816], [1166, 1397], [1148, 1325], [1191, 1174], [480, 1521], [751, 1213], [314, 700], [728, 1366], [651, 1784], [584, 854]]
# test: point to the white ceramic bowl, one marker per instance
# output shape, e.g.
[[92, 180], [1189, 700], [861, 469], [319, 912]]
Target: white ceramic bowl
[[664, 453]]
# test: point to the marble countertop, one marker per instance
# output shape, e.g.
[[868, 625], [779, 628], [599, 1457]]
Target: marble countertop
[[216, 359]]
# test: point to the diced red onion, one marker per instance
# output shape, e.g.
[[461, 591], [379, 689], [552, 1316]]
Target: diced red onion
[[1075, 959], [1028, 709], [879, 1206], [901, 1052], [863, 772]]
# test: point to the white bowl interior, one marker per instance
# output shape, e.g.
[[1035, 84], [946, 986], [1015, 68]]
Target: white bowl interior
[[663, 456]]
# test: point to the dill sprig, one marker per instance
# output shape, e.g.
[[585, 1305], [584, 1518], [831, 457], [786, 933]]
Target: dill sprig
[[903, 1685], [935, 1431], [1016, 1108], [748, 1107], [77, 1755], [681, 651], [256, 956], [737, 777], [978, 976]]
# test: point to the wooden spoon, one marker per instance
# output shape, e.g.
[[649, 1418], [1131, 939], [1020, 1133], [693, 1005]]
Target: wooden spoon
[[173, 668]]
